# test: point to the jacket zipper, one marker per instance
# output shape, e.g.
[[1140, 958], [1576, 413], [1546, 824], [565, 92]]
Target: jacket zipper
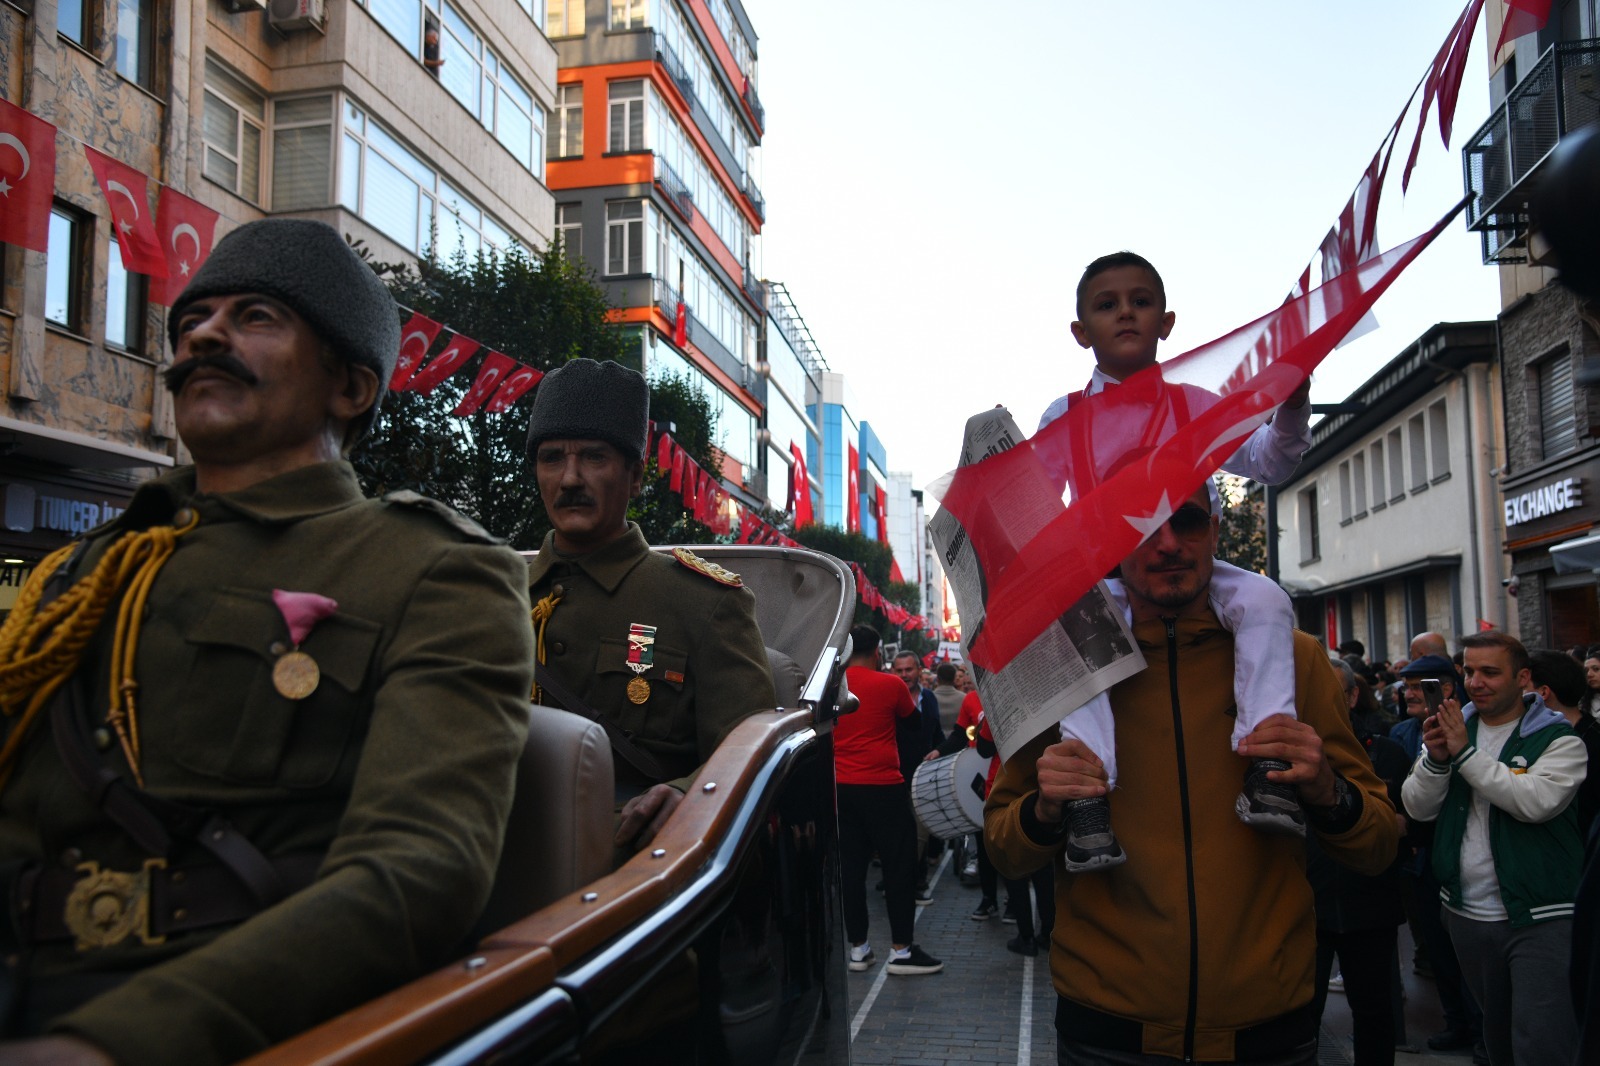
[[1193, 1007]]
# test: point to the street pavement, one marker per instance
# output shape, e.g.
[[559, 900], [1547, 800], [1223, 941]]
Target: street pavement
[[991, 1006]]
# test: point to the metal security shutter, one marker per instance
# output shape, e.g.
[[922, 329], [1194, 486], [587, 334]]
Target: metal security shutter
[[1558, 423]]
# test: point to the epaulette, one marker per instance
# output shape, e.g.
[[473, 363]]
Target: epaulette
[[451, 517], [721, 575]]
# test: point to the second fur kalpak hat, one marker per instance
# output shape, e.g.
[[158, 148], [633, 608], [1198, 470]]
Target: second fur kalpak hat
[[586, 400]]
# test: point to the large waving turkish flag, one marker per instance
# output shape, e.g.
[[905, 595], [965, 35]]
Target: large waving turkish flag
[[27, 177], [127, 193], [186, 228]]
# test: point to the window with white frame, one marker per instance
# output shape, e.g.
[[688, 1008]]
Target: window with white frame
[[1397, 468], [1417, 438], [627, 116], [1380, 492], [1345, 511], [1439, 437], [1358, 482], [625, 237], [302, 152], [232, 124], [388, 185], [569, 227], [568, 140], [564, 18], [628, 14]]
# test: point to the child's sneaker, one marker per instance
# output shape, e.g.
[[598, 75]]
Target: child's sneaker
[[1270, 806], [860, 956], [1090, 841], [912, 960]]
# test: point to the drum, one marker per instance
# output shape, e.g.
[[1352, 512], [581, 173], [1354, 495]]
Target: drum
[[947, 794]]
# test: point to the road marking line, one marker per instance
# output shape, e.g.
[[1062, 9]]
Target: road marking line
[[883, 972], [1025, 1025]]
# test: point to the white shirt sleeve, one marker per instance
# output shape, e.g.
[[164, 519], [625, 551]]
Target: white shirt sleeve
[[1537, 795], [1271, 454], [1424, 790]]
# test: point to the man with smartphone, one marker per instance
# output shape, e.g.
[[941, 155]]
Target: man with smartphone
[[1498, 777]]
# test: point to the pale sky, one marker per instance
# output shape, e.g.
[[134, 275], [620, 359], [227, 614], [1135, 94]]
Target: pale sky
[[938, 174]]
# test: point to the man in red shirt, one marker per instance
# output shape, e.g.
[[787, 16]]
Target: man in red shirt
[[875, 809]]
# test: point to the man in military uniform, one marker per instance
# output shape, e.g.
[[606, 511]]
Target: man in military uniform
[[664, 649], [262, 732]]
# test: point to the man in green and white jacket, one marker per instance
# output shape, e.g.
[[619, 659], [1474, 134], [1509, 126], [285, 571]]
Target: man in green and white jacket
[[1499, 777]]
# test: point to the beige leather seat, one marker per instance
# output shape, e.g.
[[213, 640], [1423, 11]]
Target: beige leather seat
[[558, 838]]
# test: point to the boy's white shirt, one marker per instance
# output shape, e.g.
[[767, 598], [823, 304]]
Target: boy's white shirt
[[1249, 605]]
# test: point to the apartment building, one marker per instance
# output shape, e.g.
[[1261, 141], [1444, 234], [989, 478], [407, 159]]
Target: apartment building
[[406, 124], [653, 139], [1388, 527], [1543, 88]]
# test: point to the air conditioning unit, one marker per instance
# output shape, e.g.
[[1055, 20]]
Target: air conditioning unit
[[240, 6], [288, 15]]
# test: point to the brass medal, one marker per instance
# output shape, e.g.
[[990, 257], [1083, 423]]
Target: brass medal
[[638, 690], [295, 675]]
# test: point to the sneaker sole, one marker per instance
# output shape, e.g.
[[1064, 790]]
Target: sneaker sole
[[904, 969], [1094, 862], [1268, 821], [864, 964], [924, 902]]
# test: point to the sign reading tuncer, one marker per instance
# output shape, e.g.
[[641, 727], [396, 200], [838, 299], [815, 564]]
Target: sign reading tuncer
[[1563, 495]]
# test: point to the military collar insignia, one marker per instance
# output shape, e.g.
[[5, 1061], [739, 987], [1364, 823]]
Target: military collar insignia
[[720, 575]]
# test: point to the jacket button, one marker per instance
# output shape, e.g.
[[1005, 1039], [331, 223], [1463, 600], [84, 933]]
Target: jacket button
[[559, 648], [278, 647], [183, 517], [102, 739], [559, 589], [71, 858]]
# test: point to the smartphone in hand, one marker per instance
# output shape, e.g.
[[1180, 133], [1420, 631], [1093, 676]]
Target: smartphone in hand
[[1432, 694]]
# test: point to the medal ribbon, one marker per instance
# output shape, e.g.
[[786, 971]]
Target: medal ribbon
[[641, 647], [302, 611]]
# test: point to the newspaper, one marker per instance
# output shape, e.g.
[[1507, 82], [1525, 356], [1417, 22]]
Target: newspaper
[[1089, 650]]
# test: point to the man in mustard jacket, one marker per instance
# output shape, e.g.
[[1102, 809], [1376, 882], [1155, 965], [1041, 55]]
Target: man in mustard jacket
[[1201, 946]]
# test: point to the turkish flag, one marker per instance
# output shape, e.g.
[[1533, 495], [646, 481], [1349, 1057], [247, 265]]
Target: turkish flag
[[513, 388], [490, 375], [186, 228], [895, 574], [441, 366], [127, 194], [27, 177], [1443, 83], [852, 487], [664, 449], [800, 488], [880, 514], [416, 337], [680, 326], [1522, 17], [1035, 564], [688, 483], [680, 463]]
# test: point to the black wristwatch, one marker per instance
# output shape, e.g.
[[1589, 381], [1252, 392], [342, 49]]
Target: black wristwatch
[[1342, 815]]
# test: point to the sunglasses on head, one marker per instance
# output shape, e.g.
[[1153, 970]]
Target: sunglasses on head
[[1190, 520]]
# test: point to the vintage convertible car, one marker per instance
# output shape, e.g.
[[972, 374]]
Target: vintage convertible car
[[719, 943]]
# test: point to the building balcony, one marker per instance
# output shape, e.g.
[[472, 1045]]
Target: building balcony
[[753, 193], [674, 67], [753, 99], [666, 297], [1504, 161], [754, 289], [675, 188]]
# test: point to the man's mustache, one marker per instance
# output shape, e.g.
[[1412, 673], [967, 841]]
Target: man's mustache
[[178, 373], [574, 499]]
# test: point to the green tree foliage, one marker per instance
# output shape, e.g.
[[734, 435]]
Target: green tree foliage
[[1243, 539], [877, 560], [542, 309]]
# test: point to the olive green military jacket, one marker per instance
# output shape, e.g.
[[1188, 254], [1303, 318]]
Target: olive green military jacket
[[710, 666], [399, 767]]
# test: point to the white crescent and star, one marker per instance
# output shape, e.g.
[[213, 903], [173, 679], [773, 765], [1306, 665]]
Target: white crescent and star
[[17, 146], [1148, 524], [116, 186], [183, 229]]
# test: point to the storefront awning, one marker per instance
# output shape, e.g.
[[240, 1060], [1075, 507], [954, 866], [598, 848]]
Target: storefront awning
[[1579, 556]]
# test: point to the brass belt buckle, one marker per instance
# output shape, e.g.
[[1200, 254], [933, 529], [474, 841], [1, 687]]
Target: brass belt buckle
[[106, 907]]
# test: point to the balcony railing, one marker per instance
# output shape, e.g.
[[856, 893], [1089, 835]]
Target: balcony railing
[[675, 188], [666, 297], [1502, 161], [674, 66], [752, 98], [753, 193], [754, 289]]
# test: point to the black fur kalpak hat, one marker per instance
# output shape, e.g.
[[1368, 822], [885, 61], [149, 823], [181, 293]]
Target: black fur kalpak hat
[[307, 265], [586, 400]]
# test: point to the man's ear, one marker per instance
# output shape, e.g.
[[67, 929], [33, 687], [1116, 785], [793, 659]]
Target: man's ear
[[1167, 321], [358, 394], [636, 478]]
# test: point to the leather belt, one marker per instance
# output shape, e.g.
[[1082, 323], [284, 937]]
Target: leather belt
[[99, 908]]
